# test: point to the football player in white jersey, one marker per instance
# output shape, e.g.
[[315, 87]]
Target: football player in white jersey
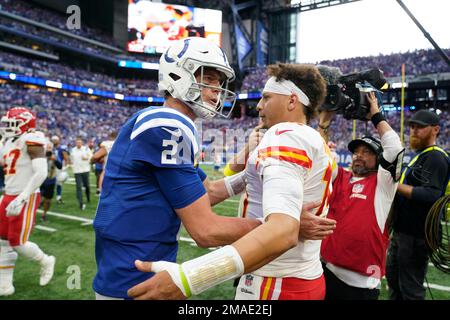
[[25, 167], [290, 166], [102, 154]]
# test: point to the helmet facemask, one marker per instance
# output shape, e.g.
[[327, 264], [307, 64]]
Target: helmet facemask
[[225, 98], [10, 127], [185, 62], [16, 122]]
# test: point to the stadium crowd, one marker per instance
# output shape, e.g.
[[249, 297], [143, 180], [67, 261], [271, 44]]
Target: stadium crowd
[[53, 18], [70, 115], [418, 62], [67, 115], [42, 34], [75, 76], [341, 129]]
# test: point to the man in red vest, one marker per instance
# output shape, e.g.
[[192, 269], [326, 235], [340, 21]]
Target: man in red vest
[[354, 256]]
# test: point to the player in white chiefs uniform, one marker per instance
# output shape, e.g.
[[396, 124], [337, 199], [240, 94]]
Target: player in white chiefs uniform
[[290, 166], [25, 167], [102, 154]]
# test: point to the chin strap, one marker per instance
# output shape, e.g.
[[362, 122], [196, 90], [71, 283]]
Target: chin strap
[[395, 167]]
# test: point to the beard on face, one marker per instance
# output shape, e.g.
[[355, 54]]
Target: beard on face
[[415, 143], [419, 144], [361, 168]]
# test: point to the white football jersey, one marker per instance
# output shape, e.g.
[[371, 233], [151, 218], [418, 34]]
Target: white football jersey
[[17, 162], [107, 144], [299, 145]]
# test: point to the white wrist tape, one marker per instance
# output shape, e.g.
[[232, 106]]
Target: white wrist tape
[[213, 268], [235, 184], [40, 172]]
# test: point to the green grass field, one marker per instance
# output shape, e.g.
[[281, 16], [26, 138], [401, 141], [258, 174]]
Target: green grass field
[[73, 245]]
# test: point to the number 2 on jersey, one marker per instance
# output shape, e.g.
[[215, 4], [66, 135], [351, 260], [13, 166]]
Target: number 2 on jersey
[[15, 154], [168, 155]]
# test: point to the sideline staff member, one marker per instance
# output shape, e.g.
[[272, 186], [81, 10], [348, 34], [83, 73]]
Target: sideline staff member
[[422, 183]]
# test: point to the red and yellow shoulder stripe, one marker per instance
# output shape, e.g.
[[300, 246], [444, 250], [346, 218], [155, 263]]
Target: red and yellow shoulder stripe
[[283, 153]]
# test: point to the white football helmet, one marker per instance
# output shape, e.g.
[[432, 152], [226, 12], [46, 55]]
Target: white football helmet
[[177, 69]]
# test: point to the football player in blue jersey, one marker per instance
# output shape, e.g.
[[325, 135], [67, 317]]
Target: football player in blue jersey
[[62, 155], [151, 182]]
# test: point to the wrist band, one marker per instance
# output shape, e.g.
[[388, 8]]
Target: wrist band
[[235, 184], [227, 171], [212, 268], [185, 283], [377, 118]]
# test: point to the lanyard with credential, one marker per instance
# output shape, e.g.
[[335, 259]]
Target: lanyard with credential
[[410, 164]]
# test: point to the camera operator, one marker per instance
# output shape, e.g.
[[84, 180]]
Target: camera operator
[[354, 255], [48, 186]]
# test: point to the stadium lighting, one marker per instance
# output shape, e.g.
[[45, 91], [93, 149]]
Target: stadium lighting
[[397, 85], [149, 65], [119, 96], [53, 84]]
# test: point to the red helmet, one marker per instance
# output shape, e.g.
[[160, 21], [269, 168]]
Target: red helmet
[[17, 121]]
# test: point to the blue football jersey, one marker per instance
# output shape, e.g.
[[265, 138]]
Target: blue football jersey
[[59, 153], [150, 172]]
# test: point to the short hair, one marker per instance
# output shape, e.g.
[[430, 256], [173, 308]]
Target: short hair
[[79, 138], [308, 78]]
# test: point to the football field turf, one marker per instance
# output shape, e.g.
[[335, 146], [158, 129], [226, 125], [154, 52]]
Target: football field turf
[[69, 236]]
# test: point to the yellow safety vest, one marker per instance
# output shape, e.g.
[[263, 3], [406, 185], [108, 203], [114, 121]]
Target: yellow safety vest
[[410, 164]]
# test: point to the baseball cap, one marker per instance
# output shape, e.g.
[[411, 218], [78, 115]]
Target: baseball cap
[[373, 143], [425, 118]]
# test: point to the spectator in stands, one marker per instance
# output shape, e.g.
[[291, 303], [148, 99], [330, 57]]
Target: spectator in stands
[[417, 62]]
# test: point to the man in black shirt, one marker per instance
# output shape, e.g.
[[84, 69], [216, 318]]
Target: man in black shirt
[[422, 183]]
